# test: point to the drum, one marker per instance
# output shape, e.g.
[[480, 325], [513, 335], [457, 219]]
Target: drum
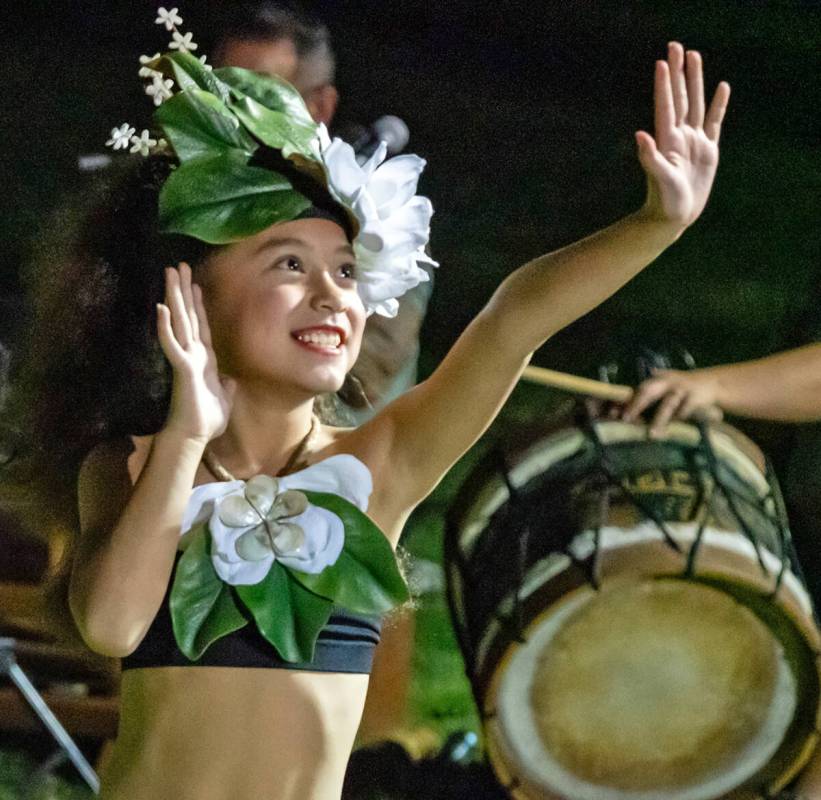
[[632, 617]]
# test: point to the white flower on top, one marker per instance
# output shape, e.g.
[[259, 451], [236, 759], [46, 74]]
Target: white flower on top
[[207, 66], [394, 222], [257, 522], [121, 137], [146, 71], [160, 88], [261, 524], [168, 18], [142, 144], [182, 43]]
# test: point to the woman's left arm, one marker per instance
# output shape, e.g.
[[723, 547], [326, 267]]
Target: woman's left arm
[[680, 165], [431, 426]]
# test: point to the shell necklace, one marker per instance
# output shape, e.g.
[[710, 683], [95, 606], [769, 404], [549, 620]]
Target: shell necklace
[[213, 465]]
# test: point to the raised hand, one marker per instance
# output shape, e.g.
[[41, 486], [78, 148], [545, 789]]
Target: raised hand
[[680, 162], [200, 398]]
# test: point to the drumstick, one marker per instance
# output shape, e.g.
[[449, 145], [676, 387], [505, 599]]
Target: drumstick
[[615, 392]]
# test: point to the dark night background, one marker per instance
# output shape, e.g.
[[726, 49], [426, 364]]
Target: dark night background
[[526, 114]]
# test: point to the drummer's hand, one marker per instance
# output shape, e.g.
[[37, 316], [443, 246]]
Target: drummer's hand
[[682, 395], [680, 162]]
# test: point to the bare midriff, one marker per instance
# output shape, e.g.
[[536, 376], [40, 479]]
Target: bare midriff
[[228, 733]]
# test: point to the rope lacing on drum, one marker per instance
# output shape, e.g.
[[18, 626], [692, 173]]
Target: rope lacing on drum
[[604, 509], [590, 565], [463, 575], [707, 493], [784, 534], [515, 620], [706, 449], [613, 480]]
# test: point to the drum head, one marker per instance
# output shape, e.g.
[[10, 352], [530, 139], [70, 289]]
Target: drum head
[[657, 688], [631, 618]]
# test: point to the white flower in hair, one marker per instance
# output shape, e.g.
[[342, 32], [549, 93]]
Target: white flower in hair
[[160, 88], [168, 18], [321, 142], [142, 144], [394, 222], [207, 66], [183, 43], [145, 71], [121, 137]]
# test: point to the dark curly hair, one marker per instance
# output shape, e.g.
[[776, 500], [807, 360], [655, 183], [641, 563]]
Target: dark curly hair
[[91, 368]]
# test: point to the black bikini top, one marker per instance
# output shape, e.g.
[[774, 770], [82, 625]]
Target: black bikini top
[[345, 644]]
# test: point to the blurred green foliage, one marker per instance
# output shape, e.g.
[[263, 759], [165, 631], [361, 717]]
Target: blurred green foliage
[[18, 780]]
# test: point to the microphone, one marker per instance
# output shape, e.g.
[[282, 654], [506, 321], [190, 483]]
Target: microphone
[[389, 129], [93, 162]]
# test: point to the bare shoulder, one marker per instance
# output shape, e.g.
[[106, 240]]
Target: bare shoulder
[[126, 453], [370, 443]]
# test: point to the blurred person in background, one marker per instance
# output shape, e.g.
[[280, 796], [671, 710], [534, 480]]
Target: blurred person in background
[[284, 40]]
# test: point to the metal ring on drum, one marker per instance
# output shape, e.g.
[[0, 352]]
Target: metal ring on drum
[[632, 617]]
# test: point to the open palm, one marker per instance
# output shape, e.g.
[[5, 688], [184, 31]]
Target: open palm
[[681, 161], [201, 399]]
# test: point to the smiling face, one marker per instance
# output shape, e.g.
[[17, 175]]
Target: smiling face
[[283, 307]]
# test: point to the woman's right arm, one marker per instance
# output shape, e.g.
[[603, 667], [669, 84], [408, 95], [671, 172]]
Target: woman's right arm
[[129, 522], [129, 535]]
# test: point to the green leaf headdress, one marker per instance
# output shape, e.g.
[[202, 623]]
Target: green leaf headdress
[[247, 155]]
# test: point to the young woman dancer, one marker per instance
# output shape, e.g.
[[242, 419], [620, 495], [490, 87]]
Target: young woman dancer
[[254, 331]]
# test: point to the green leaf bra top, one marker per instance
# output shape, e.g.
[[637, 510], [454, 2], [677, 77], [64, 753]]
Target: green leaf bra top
[[287, 573]]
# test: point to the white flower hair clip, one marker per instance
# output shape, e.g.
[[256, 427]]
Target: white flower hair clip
[[394, 222]]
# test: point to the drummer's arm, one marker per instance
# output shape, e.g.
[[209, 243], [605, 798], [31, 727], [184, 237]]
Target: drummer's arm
[[785, 387]]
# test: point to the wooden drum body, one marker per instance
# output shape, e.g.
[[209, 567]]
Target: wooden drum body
[[632, 617]]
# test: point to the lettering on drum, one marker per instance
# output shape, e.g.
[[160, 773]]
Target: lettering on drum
[[674, 494]]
